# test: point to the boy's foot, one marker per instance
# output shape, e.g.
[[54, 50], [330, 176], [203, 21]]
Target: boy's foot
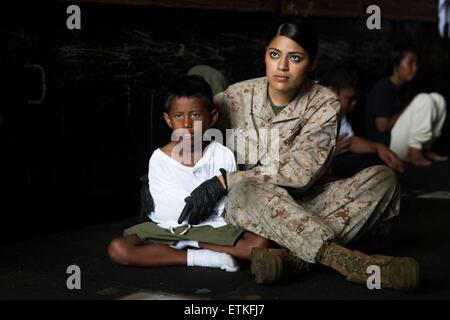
[[271, 265], [433, 156], [417, 158], [396, 273]]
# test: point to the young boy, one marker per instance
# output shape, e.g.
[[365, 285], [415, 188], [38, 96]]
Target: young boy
[[354, 153], [174, 171]]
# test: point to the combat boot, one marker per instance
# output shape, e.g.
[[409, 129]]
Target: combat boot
[[271, 265], [399, 273]]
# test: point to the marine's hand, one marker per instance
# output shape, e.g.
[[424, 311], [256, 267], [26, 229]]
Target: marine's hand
[[200, 204]]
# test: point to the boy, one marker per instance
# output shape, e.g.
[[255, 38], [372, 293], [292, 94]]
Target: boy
[[354, 153], [174, 171], [407, 122]]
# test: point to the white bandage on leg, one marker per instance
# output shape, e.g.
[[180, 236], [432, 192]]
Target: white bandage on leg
[[212, 259], [183, 244]]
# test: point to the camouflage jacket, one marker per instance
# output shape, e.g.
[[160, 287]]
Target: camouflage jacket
[[306, 128]]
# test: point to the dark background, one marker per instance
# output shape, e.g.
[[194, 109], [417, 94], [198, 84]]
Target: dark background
[[76, 158]]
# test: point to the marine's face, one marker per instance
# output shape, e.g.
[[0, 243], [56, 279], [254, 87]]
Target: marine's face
[[287, 64]]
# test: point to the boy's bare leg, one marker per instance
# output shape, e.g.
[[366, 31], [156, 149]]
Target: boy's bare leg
[[243, 247], [132, 251]]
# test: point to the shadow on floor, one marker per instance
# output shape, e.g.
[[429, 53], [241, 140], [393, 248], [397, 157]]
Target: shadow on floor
[[37, 269]]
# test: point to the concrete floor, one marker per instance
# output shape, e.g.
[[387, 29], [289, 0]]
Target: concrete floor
[[36, 269]]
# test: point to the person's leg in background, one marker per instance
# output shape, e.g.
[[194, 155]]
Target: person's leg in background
[[414, 129], [440, 112]]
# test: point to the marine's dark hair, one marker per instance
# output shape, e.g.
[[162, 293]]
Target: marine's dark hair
[[190, 86], [340, 78], [303, 33]]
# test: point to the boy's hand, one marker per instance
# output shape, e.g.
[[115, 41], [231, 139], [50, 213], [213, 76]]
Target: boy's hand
[[390, 158], [343, 144], [200, 204]]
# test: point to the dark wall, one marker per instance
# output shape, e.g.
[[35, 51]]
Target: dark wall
[[75, 159]]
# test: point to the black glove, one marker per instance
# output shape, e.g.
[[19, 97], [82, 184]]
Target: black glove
[[147, 204], [200, 204]]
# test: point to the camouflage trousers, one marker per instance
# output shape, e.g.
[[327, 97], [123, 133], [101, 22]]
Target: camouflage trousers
[[338, 211]]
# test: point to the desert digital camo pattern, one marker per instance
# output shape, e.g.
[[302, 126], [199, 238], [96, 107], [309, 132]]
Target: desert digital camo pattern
[[280, 196]]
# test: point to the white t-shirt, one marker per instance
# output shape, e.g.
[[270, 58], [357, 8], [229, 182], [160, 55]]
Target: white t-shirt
[[346, 128], [171, 182]]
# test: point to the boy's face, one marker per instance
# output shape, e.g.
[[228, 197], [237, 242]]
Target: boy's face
[[185, 112], [347, 98], [408, 67]]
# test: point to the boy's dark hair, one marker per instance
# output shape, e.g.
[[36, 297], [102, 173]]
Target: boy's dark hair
[[340, 78], [189, 87], [303, 33], [398, 53]]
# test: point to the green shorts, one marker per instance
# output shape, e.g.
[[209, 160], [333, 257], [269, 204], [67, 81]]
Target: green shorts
[[225, 236]]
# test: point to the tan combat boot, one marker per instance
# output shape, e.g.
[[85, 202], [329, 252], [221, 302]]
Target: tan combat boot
[[271, 265], [397, 273]]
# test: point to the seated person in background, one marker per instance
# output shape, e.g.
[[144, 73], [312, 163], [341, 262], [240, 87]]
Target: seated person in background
[[407, 127], [354, 153], [173, 175], [214, 77]]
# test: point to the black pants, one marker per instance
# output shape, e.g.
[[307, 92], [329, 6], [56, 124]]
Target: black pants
[[348, 164]]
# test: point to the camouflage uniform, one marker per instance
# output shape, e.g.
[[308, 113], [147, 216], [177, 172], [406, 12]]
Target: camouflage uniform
[[291, 206]]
